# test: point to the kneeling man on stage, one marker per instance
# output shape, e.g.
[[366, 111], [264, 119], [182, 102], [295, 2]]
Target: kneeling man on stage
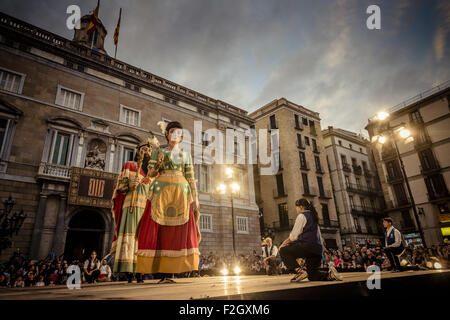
[[270, 253], [393, 244]]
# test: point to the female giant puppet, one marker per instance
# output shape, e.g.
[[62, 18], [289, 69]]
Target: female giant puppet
[[168, 241]]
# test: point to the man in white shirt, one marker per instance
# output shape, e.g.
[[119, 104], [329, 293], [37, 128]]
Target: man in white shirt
[[270, 260], [393, 244], [105, 272]]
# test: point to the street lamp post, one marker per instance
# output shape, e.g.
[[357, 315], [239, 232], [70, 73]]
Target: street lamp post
[[233, 187], [9, 225], [408, 188], [405, 134]]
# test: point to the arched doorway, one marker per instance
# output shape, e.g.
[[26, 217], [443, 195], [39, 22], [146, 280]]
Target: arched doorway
[[86, 232]]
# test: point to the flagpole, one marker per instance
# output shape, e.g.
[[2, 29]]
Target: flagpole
[[115, 51]]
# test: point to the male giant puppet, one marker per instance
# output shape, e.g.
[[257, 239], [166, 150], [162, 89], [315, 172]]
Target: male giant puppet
[[129, 202]]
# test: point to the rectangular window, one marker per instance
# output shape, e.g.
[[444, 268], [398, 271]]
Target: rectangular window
[[347, 181], [205, 222], [364, 165], [242, 224], [205, 139], [305, 121], [283, 215], [325, 214], [280, 184], [204, 178], [400, 194], [305, 183], [354, 163], [11, 81], [303, 163], [416, 117], [299, 141], [314, 143], [297, 121], [320, 184], [436, 186], [352, 202], [318, 165], [3, 130], [273, 122], [69, 98], [60, 149], [393, 169], [130, 116], [427, 159], [307, 141]]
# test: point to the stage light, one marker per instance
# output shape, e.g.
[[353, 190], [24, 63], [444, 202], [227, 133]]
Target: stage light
[[437, 265], [229, 172], [237, 270], [430, 265], [404, 263], [374, 139], [382, 139], [224, 271], [405, 133], [382, 115], [235, 187]]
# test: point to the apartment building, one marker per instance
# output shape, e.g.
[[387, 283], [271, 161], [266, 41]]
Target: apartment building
[[303, 171], [356, 187]]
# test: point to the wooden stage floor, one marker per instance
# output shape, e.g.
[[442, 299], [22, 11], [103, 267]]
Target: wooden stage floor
[[230, 287]]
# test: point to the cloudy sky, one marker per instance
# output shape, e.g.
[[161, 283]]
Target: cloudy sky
[[319, 54]]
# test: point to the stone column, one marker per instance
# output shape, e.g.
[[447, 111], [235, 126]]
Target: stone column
[[37, 230], [59, 233]]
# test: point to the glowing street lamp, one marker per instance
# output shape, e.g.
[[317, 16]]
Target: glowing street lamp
[[382, 115], [382, 139], [405, 134]]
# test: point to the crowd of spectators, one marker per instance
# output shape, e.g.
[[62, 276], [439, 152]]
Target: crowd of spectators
[[22, 272], [361, 257]]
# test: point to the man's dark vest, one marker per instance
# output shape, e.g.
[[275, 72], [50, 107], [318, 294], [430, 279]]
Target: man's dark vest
[[89, 264], [390, 238], [267, 252], [310, 235]]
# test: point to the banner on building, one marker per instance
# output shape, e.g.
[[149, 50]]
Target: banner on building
[[90, 187]]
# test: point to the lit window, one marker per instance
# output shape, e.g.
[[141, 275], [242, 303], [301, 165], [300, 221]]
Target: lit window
[[130, 116], [205, 222], [242, 224], [11, 81]]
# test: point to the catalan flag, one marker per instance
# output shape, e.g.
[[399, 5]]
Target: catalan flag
[[94, 19], [116, 32]]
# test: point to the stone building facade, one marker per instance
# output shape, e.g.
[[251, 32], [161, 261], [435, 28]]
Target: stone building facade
[[426, 161], [70, 113], [356, 187], [303, 171]]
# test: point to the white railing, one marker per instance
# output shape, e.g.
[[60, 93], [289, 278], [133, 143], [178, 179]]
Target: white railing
[[54, 170]]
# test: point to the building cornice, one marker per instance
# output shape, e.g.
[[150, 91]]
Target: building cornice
[[86, 57], [281, 103]]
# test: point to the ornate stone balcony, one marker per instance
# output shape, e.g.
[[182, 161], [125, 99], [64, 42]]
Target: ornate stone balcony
[[54, 171]]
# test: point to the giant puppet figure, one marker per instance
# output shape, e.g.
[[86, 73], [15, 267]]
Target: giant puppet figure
[[129, 202], [169, 236]]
